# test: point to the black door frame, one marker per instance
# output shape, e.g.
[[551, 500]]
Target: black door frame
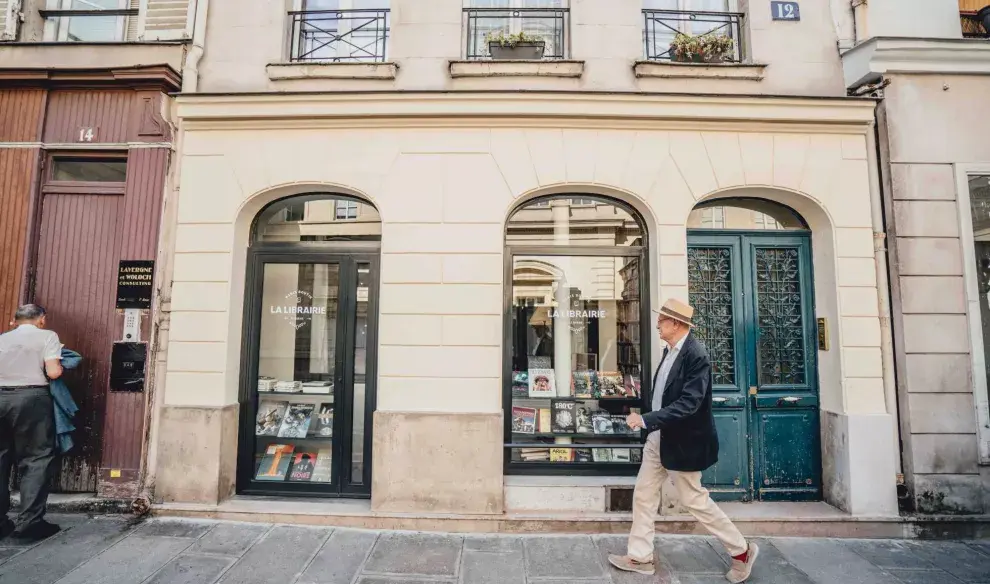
[[347, 255]]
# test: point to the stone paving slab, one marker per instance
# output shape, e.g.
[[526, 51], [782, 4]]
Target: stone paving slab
[[115, 551]]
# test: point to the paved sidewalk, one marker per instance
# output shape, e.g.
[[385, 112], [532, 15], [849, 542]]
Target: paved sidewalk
[[113, 550]]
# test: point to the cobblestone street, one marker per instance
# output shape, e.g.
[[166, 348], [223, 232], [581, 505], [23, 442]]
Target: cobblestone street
[[111, 550]]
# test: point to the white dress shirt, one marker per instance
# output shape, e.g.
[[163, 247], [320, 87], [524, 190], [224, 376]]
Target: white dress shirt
[[664, 373]]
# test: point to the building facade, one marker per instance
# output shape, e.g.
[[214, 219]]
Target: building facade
[[85, 148], [404, 270], [931, 63]]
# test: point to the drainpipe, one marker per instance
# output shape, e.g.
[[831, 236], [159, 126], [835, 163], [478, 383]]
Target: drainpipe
[[883, 290], [190, 72]]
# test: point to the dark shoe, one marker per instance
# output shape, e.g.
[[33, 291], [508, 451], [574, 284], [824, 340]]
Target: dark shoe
[[37, 531], [6, 528]]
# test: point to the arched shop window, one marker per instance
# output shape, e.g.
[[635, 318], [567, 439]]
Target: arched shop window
[[308, 367], [577, 336]]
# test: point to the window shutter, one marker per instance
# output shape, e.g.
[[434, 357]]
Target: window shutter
[[10, 19], [166, 20]]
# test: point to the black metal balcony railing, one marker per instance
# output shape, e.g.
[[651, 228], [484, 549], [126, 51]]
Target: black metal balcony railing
[[339, 35], [547, 24], [90, 25], [663, 25], [973, 27]]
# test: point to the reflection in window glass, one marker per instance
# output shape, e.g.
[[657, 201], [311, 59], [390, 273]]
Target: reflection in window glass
[[575, 222], [318, 218], [92, 29], [979, 198], [89, 170], [576, 362], [360, 367], [752, 214]]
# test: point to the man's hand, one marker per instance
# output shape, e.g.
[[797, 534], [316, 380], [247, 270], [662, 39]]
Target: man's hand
[[635, 421]]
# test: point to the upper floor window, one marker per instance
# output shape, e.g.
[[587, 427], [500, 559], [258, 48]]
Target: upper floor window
[[543, 23], [90, 21], [692, 30], [315, 218], [347, 209], [339, 30]]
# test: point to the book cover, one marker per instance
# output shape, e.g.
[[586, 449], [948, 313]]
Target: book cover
[[610, 384], [275, 463], [620, 455], [545, 426], [322, 470], [269, 418], [302, 466], [297, 421], [541, 383], [635, 455], [582, 418], [322, 425], [602, 454], [584, 383], [582, 455], [538, 363], [632, 385], [563, 416], [524, 420], [602, 422], [561, 455], [520, 384], [619, 425]]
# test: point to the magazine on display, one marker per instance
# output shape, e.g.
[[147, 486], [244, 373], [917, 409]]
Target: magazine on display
[[582, 455], [322, 470], [584, 383], [297, 421], [545, 425], [620, 455], [582, 417], [539, 363], [610, 385], [302, 467], [275, 463], [620, 426], [322, 425], [563, 416], [561, 454], [524, 420], [269, 420], [602, 422], [602, 454], [520, 384], [542, 383]]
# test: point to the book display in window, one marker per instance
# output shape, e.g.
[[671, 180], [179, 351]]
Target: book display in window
[[322, 470], [322, 425], [302, 467], [270, 416], [562, 415], [524, 420], [297, 420]]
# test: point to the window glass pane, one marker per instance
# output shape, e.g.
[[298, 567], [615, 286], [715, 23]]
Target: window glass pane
[[576, 362], [318, 218], [752, 214], [297, 343], [92, 28], [574, 221], [360, 367], [89, 170], [979, 197]]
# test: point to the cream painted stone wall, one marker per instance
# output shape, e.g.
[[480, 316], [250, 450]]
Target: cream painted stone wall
[[607, 36], [444, 192]]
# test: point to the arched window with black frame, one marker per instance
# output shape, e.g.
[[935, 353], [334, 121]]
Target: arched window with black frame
[[308, 361], [577, 335]]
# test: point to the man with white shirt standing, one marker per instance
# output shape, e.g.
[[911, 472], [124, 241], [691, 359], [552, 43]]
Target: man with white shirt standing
[[682, 442], [30, 357]]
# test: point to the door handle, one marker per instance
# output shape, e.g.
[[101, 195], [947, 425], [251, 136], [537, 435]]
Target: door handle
[[790, 400], [719, 400]]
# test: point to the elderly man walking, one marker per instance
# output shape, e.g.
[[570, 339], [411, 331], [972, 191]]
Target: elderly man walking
[[29, 358], [682, 443]]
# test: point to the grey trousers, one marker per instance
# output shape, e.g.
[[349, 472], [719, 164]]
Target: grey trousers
[[27, 437]]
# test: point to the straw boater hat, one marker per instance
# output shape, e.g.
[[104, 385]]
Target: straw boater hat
[[677, 310]]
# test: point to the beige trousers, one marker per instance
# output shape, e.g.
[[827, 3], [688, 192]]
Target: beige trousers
[[646, 501]]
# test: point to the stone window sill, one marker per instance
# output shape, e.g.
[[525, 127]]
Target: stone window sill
[[322, 70], [568, 69], [669, 70]]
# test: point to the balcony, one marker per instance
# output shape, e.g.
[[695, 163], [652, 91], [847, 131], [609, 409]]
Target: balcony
[[90, 26], [338, 36], [547, 24], [663, 26], [973, 26]]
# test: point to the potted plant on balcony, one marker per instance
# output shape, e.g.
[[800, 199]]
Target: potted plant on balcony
[[516, 47], [704, 48]]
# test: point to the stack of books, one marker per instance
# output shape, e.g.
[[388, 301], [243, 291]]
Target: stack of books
[[266, 383], [534, 454], [317, 387], [288, 387]]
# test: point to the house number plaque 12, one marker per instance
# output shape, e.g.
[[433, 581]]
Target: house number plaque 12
[[785, 10]]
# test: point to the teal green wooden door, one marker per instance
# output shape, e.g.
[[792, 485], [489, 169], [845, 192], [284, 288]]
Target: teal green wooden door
[[754, 309]]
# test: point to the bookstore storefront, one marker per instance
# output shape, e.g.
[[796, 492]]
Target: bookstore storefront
[[449, 315]]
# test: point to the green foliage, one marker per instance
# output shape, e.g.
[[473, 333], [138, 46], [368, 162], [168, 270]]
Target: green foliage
[[501, 38]]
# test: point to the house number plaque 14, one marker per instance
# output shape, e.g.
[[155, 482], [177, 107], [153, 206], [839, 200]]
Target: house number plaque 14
[[785, 10]]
